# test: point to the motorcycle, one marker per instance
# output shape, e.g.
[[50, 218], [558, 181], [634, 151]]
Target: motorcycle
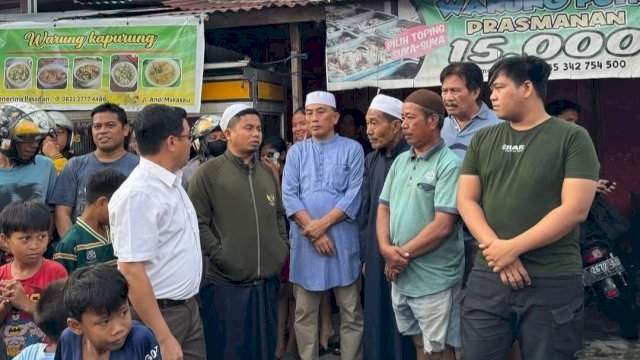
[[609, 270]]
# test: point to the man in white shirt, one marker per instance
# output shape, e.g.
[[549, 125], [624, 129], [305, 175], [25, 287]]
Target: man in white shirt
[[155, 235]]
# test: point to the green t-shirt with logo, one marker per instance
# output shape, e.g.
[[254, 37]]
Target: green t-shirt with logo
[[522, 173], [83, 246], [415, 189]]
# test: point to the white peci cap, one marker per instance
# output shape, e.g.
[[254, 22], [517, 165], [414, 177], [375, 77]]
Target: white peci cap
[[229, 113], [388, 105], [321, 97]]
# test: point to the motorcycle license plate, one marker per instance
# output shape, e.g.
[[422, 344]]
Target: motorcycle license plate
[[603, 269]]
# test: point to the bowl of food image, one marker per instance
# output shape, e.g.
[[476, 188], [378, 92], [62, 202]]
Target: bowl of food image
[[52, 75], [162, 72], [124, 74], [88, 73], [19, 74]]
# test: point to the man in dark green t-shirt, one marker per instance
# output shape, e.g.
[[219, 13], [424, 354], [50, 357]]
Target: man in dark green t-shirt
[[525, 186]]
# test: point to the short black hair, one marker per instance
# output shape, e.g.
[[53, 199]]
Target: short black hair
[[154, 124], [101, 289], [520, 68], [275, 142], [103, 183], [356, 115], [25, 216], [300, 110], [242, 113], [113, 108], [557, 107], [470, 73], [51, 314]]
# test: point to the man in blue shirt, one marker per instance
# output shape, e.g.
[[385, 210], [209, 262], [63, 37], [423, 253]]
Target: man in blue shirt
[[23, 173], [461, 88], [321, 193], [109, 129]]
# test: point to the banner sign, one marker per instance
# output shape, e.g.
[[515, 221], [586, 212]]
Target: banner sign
[[77, 65], [580, 39]]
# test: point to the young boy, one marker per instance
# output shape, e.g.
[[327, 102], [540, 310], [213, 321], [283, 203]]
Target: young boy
[[87, 242], [51, 318], [100, 325], [24, 230]]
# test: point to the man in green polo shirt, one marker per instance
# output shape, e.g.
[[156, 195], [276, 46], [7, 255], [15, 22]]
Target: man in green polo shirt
[[525, 186], [419, 231], [87, 242]]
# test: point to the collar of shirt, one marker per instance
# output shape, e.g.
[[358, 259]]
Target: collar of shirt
[[428, 153], [167, 177], [481, 115], [332, 139], [400, 147], [240, 161]]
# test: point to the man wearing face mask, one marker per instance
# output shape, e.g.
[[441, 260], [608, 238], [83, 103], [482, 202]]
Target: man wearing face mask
[[207, 138]]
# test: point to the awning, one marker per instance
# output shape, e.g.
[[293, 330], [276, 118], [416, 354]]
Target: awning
[[212, 6]]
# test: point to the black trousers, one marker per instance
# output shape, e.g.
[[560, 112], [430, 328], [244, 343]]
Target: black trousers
[[240, 320], [546, 318]]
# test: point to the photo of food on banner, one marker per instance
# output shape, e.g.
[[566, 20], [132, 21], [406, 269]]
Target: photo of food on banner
[[364, 44], [52, 73], [87, 73], [17, 73], [161, 73], [123, 76]]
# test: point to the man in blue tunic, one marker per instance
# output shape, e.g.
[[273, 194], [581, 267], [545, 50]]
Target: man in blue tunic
[[321, 193]]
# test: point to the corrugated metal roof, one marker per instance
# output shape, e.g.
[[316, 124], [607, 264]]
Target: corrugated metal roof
[[212, 6]]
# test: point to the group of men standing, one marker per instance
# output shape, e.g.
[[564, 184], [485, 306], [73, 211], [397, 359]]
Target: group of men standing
[[520, 187], [435, 191]]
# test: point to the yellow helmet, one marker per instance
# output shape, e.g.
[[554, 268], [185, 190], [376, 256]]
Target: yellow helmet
[[22, 122]]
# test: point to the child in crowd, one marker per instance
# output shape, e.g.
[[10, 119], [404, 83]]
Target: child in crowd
[[100, 325], [51, 318], [87, 242], [24, 231]]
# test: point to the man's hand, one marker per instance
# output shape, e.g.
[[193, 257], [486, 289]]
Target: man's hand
[[391, 273], [515, 275], [603, 188], [315, 229], [50, 147], [324, 246], [499, 254], [170, 349], [395, 257]]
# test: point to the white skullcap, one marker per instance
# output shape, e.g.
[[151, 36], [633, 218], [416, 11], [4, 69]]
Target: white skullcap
[[229, 113], [388, 105], [321, 97]]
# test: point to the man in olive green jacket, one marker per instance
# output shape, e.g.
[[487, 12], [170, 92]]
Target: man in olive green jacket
[[244, 239]]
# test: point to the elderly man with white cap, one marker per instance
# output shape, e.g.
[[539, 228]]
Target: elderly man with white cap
[[321, 193], [419, 231], [381, 337], [244, 240]]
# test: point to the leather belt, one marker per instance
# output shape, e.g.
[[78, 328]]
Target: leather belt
[[167, 303]]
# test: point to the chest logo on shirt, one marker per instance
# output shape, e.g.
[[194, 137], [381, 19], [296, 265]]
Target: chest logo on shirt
[[513, 148], [430, 176], [91, 255], [271, 199]]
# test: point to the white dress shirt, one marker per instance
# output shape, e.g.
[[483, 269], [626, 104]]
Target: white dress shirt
[[153, 221]]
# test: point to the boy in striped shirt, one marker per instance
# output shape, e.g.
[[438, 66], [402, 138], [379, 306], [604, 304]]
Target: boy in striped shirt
[[87, 242]]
